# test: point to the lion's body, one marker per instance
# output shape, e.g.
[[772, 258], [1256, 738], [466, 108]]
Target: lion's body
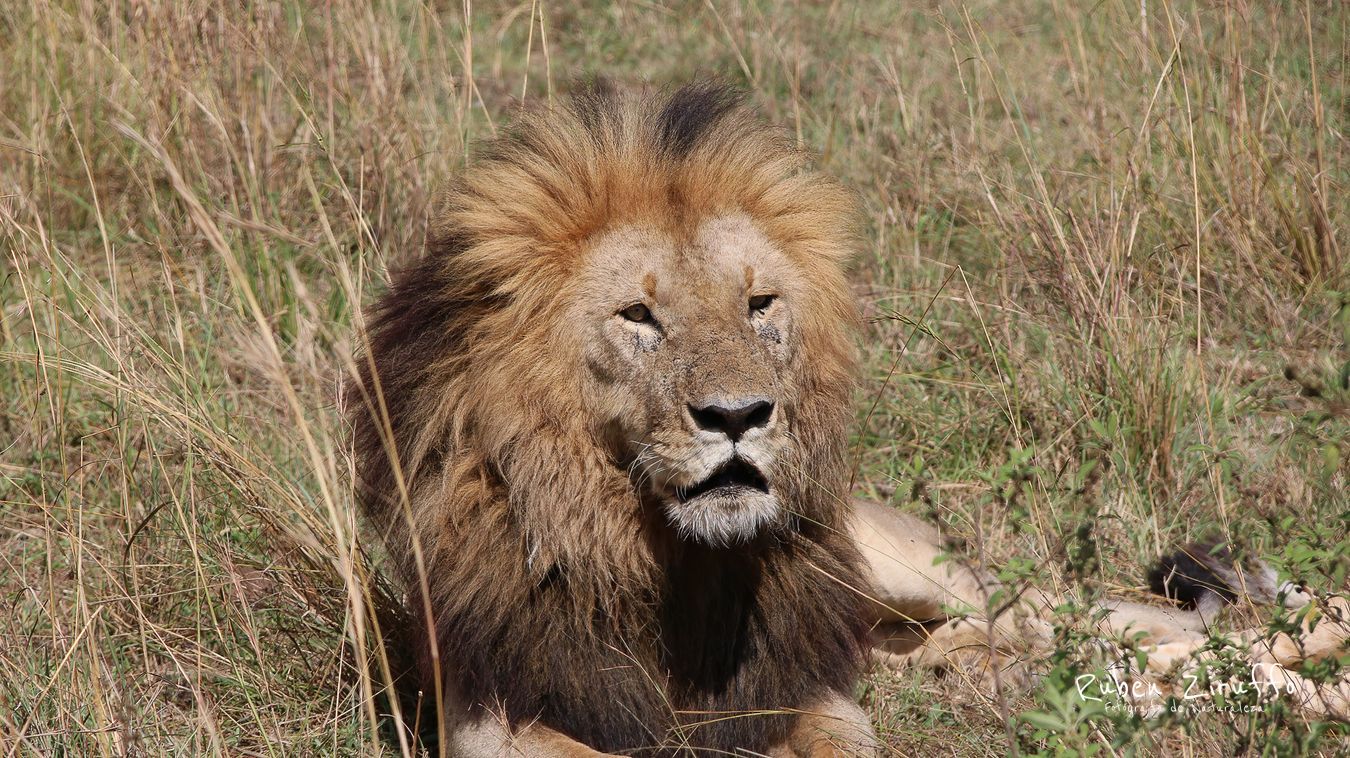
[[562, 588]]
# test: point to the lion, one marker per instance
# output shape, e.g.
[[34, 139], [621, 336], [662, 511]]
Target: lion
[[602, 427], [605, 433]]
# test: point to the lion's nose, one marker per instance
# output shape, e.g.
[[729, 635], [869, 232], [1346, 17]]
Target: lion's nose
[[734, 417]]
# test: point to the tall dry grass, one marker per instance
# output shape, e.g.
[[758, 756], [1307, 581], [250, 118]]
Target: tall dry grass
[[1106, 265]]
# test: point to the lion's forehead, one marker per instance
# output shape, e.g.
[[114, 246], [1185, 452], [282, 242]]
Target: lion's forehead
[[734, 242], [717, 256]]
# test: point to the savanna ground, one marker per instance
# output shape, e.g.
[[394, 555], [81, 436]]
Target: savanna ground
[[1104, 264]]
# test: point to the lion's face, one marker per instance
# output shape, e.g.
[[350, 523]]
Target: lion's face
[[632, 321], [691, 360]]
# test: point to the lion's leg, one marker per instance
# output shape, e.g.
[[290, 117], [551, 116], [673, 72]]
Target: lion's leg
[[899, 552], [909, 586], [935, 644], [491, 737], [1275, 662], [968, 644], [835, 728], [1151, 624], [1324, 632]]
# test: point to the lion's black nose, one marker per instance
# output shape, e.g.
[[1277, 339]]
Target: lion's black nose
[[734, 417]]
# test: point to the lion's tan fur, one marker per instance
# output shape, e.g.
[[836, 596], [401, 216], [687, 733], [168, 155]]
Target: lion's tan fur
[[478, 454]]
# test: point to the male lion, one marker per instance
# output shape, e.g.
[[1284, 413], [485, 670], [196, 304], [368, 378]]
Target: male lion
[[603, 427], [617, 387]]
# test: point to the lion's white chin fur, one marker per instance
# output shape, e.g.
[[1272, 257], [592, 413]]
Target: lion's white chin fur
[[720, 519]]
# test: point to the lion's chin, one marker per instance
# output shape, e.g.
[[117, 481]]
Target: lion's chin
[[725, 515]]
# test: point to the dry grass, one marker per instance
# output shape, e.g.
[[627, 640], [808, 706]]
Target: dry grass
[[1107, 265]]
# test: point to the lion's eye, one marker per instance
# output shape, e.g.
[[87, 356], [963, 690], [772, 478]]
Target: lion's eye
[[761, 303], [637, 313]]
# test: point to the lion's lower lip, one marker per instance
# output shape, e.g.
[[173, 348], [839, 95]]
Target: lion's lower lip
[[734, 475]]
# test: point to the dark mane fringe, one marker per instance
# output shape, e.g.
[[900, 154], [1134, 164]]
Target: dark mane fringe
[[691, 113], [553, 595]]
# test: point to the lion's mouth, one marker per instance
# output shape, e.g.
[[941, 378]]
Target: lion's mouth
[[733, 475]]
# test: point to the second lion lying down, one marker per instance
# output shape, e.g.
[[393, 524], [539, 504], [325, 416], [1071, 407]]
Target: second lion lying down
[[602, 423]]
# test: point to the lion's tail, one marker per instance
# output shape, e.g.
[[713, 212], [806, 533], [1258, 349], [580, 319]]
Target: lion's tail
[[1205, 576]]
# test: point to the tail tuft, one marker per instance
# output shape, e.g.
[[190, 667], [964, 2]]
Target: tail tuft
[[1195, 576], [1205, 576]]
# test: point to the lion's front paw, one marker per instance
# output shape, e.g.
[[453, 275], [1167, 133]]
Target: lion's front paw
[[838, 728], [838, 748]]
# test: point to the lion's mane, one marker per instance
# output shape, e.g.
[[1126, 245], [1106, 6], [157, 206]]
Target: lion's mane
[[553, 593]]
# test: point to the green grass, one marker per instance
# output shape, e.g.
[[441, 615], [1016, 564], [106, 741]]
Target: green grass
[[1105, 265]]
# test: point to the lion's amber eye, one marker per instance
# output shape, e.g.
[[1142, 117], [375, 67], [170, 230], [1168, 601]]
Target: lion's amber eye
[[760, 303], [637, 313]]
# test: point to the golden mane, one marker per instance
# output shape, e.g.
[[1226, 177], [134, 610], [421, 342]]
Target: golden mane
[[471, 327], [472, 441]]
